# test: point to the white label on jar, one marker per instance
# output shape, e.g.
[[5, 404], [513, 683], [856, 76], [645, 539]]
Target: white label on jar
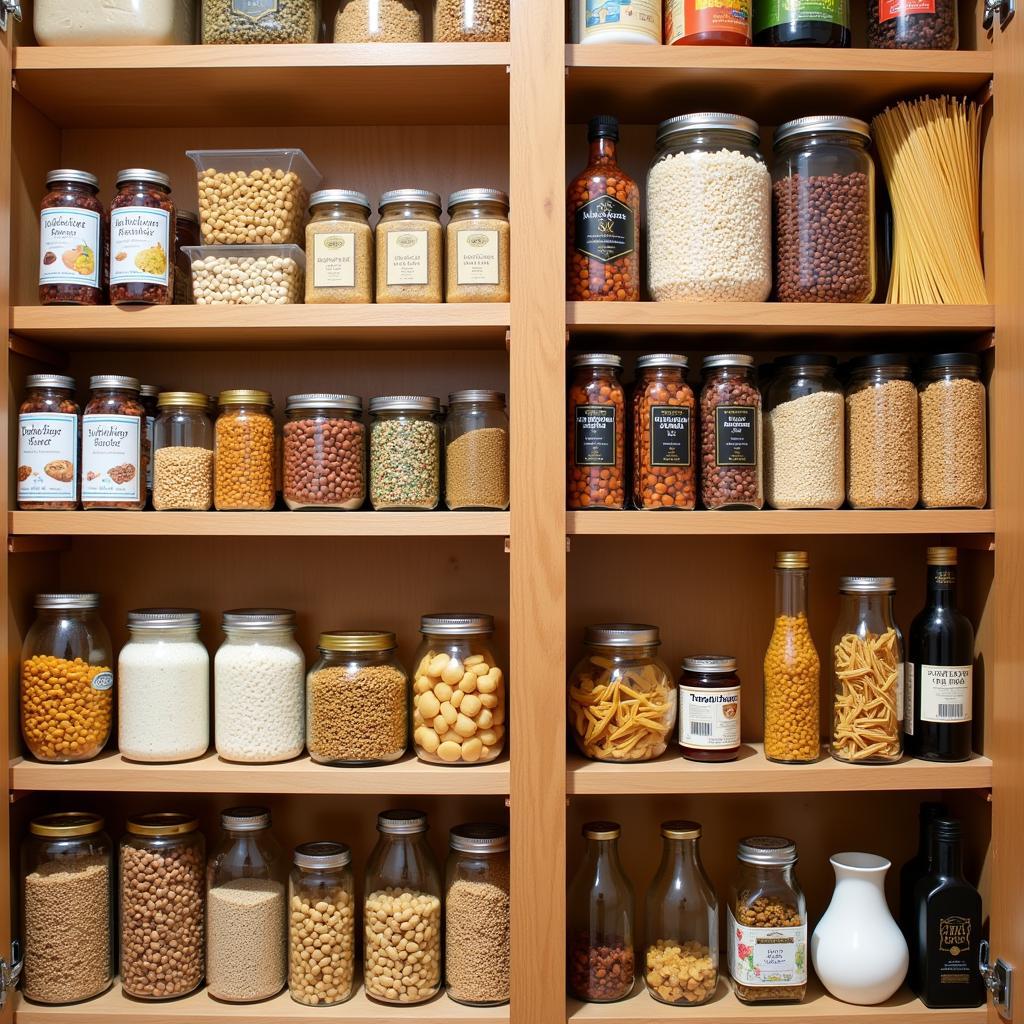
[[947, 693], [767, 957], [901, 675], [407, 256], [111, 455], [477, 257], [334, 260], [69, 247], [47, 456], [709, 719], [139, 244], [103, 681], [150, 420], [603, 18], [908, 700]]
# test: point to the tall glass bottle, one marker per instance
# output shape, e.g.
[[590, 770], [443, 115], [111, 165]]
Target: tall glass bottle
[[911, 873]]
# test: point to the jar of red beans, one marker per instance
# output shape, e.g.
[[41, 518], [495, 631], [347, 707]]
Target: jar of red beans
[[597, 433], [142, 239], [72, 229]]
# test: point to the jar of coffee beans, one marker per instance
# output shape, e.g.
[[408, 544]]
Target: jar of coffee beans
[[324, 452], [911, 25], [597, 433]]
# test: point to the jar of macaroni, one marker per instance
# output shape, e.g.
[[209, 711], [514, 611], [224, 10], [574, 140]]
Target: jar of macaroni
[[339, 247], [477, 246], [245, 452], [410, 243]]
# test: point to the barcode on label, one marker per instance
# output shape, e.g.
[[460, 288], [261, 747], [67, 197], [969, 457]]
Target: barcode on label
[[950, 711], [700, 728]]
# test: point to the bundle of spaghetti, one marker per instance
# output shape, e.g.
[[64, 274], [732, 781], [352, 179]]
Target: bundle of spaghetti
[[867, 721], [931, 155]]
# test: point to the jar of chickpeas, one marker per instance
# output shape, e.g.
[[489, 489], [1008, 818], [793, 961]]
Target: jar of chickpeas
[[597, 433], [244, 452]]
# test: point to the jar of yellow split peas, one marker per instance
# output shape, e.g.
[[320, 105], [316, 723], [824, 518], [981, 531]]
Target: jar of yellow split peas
[[622, 699]]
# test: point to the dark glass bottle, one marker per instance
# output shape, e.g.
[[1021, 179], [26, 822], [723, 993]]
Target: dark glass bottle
[[947, 926], [941, 657], [910, 874], [800, 23]]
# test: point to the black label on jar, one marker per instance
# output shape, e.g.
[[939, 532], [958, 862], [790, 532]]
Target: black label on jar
[[605, 229], [670, 435], [735, 435], [595, 435]]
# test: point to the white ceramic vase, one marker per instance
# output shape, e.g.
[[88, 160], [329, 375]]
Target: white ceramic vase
[[858, 950]]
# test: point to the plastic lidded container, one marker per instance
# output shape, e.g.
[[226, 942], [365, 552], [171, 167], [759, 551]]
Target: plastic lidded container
[[405, 452], [245, 452], [477, 246], [143, 235], [596, 425], [251, 275], [126, 23], [260, 21], [470, 21], [720, 24], [339, 247], [410, 244], [476, 450], [182, 453], [631, 21], [324, 452], [72, 237], [378, 21], [709, 709], [913, 25], [48, 441]]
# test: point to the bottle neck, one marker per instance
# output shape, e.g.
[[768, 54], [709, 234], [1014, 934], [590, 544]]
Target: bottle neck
[[603, 859], [791, 592], [604, 150], [679, 858], [946, 857], [942, 586]]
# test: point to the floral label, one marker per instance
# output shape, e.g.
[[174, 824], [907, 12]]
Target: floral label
[[140, 239], [111, 456], [47, 456], [767, 957], [69, 244]]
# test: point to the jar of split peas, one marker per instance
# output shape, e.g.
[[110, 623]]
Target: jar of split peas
[[597, 433]]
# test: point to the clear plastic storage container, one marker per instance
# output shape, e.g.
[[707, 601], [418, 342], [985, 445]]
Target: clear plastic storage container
[[261, 21], [256, 275], [124, 23]]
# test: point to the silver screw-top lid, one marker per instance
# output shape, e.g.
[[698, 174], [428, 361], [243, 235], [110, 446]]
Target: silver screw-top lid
[[339, 195], [476, 395], [726, 359], [144, 174], [245, 819], [258, 618], [662, 359], [322, 855], [405, 403], [409, 195], [867, 585], [70, 174], [705, 121], [817, 123], [163, 618], [477, 195], [768, 850], [402, 823], [622, 634], [479, 837], [597, 359], [457, 624], [113, 382], [710, 664], [50, 380], [69, 601], [149, 390], [350, 403]]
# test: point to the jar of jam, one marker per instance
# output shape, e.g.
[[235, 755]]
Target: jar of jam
[[72, 229], [709, 709], [597, 433], [142, 239]]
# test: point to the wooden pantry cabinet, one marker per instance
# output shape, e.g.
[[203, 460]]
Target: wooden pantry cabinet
[[511, 116]]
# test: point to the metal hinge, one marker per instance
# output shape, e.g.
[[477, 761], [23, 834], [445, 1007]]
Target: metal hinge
[[998, 980], [1001, 9], [9, 7], [10, 972]]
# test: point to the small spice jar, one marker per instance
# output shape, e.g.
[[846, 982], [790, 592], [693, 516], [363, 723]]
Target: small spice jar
[[477, 245], [244, 452], [597, 433], [802, 23], [357, 700], [410, 241], [163, 883], [186, 234], [321, 924], [709, 709], [142, 239], [476, 451], [114, 451], [471, 21], [954, 447], [183, 453], [664, 424], [48, 424], [67, 909], [723, 24], [911, 25], [72, 237], [405, 452], [339, 247], [149, 395], [767, 926]]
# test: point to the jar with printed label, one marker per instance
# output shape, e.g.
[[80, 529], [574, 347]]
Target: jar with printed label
[[471, 21], [183, 453], [913, 24], [339, 247], [245, 452], [709, 709], [477, 245], [48, 427], [802, 23], [143, 233], [410, 243], [596, 426], [767, 923], [114, 449], [72, 237], [630, 21], [715, 23]]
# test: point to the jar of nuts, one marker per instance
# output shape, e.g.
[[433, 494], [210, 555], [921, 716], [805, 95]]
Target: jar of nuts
[[142, 239], [477, 245], [48, 429], [410, 243], [767, 924], [245, 452], [597, 433], [402, 913], [324, 452], [67, 679], [471, 21], [339, 247], [458, 691], [115, 451], [183, 453], [476, 450], [72, 239]]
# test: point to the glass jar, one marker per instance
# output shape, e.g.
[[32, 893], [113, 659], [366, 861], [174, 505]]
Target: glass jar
[[709, 223], [867, 674], [378, 21], [405, 453], [954, 447], [163, 699], [469, 21], [476, 451], [792, 670], [67, 680], [477, 913], [246, 909], [410, 243], [681, 954], [244, 452], [632, 22], [357, 696], [260, 21], [477, 245], [664, 422], [149, 395], [124, 23], [321, 924], [802, 23], [324, 452], [597, 433], [731, 439], [67, 909], [824, 205], [804, 434], [881, 433], [162, 856], [911, 25], [600, 912], [114, 450], [187, 233], [72, 237], [183, 453], [721, 24], [709, 709], [458, 691], [767, 926], [142, 239], [48, 425], [604, 726], [403, 883], [339, 243]]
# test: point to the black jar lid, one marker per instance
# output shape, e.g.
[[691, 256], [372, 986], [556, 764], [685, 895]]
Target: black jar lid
[[951, 359], [479, 837], [806, 359], [894, 359], [603, 126]]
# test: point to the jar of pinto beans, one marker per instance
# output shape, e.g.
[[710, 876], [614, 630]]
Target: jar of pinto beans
[[597, 433]]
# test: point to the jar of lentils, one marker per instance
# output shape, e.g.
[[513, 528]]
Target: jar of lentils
[[244, 453], [142, 239], [912, 25], [72, 239], [405, 452], [115, 451], [182, 453], [339, 247], [476, 451], [410, 242], [48, 438], [477, 245], [597, 433]]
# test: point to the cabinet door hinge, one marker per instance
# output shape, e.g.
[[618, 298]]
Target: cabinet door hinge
[[8, 7], [998, 980], [1001, 9], [10, 972]]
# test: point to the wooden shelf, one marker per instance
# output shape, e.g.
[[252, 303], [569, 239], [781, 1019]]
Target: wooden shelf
[[647, 84], [319, 84], [752, 772]]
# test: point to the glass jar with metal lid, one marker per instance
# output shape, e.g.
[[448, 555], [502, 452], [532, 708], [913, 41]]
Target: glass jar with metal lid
[[142, 239], [622, 700], [596, 425], [163, 709], [246, 909], [72, 237], [182, 453], [324, 452], [67, 641], [477, 245], [476, 450], [162, 855], [67, 909], [339, 247], [767, 925], [709, 230], [709, 709], [259, 687], [405, 453], [321, 924], [458, 690], [410, 241], [149, 395], [244, 452], [114, 448], [357, 696], [187, 234], [48, 443]]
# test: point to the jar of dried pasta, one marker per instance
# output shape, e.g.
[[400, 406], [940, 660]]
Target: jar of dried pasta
[[339, 247], [410, 241], [244, 452], [478, 246]]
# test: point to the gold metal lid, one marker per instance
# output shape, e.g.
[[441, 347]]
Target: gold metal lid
[[165, 823], [192, 399], [791, 560], [244, 396], [602, 830], [942, 556], [681, 830], [66, 825], [357, 640]]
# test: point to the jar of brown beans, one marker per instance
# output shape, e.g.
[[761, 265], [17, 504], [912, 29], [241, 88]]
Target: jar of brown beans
[[48, 439], [597, 433], [244, 452], [324, 452], [72, 236]]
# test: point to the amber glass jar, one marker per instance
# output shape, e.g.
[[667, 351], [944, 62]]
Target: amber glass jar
[[597, 433], [115, 452], [142, 239], [244, 452], [72, 235], [48, 427], [709, 709]]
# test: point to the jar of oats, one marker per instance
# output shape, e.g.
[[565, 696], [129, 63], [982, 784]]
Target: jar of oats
[[245, 452], [478, 246], [409, 247], [339, 247]]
